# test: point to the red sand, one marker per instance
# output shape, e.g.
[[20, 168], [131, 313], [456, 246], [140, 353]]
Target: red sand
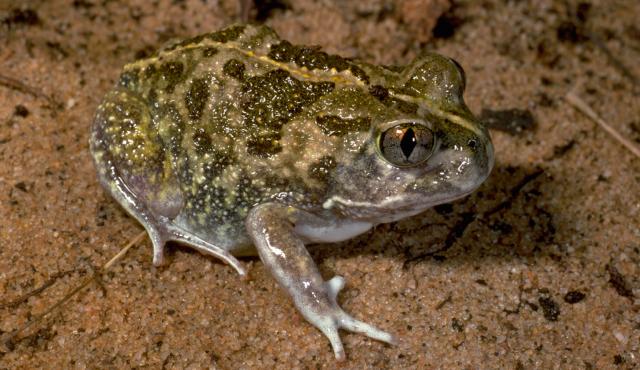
[[542, 264]]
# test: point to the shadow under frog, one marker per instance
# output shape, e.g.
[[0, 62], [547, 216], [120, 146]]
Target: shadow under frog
[[511, 220]]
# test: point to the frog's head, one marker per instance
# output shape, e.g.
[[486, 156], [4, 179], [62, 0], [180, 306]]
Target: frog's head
[[415, 160]]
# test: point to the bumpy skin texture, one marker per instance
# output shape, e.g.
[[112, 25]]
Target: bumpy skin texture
[[237, 142]]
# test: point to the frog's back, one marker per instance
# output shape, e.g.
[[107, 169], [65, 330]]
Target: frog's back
[[208, 127]]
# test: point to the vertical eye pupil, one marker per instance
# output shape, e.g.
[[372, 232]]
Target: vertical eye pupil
[[408, 142]]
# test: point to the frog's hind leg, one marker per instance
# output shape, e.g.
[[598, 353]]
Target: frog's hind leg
[[162, 230], [273, 230], [132, 164], [135, 168]]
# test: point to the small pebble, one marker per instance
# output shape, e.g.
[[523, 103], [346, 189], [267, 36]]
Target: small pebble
[[574, 296]]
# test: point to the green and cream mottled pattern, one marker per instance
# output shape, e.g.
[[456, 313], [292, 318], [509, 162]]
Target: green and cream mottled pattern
[[206, 139]]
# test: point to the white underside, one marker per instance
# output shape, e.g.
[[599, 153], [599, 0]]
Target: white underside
[[333, 233]]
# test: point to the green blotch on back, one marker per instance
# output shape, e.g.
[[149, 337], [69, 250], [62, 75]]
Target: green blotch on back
[[196, 98], [171, 74], [270, 101], [228, 34], [209, 51], [234, 68], [201, 141], [149, 72], [219, 157], [337, 126], [314, 58], [264, 145]]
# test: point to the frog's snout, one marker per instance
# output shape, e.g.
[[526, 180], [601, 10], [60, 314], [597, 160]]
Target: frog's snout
[[483, 157]]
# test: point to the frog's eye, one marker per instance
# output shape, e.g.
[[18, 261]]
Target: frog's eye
[[406, 144]]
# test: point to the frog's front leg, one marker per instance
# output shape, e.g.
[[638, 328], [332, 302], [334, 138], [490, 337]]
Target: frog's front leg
[[272, 228]]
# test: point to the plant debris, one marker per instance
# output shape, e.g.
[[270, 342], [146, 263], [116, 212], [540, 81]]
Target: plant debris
[[550, 309], [27, 17], [512, 121], [618, 282], [574, 296]]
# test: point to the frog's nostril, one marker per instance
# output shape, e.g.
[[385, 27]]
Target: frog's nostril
[[472, 144]]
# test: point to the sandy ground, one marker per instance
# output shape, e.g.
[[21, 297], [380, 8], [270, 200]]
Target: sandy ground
[[539, 269]]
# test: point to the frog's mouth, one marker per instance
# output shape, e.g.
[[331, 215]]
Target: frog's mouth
[[390, 209]]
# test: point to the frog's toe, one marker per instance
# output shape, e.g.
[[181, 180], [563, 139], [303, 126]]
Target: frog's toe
[[330, 321], [334, 286], [158, 256], [164, 230], [158, 242], [331, 332], [185, 237], [349, 323], [342, 320]]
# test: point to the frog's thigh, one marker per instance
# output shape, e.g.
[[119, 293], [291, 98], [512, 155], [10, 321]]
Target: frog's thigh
[[272, 228], [135, 167]]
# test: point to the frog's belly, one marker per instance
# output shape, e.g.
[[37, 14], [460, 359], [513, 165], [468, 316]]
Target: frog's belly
[[345, 230], [331, 232], [232, 236]]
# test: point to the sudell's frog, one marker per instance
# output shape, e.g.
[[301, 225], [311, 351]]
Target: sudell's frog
[[237, 142]]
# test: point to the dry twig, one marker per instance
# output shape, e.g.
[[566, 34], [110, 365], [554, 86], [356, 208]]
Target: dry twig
[[18, 85], [9, 341], [580, 105]]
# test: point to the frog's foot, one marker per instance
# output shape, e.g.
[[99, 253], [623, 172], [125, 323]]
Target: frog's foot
[[333, 318], [163, 231], [281, 249]]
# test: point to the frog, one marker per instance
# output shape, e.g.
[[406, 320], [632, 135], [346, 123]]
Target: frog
[[239, 143]]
